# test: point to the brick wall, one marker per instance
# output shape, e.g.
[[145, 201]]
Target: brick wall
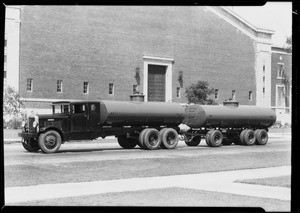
[[103, 45]]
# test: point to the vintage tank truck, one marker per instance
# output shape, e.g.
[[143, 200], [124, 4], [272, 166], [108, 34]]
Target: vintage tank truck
[[151, 125]]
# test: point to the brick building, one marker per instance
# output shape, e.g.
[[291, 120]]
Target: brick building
[[281, 81], [105, 52]]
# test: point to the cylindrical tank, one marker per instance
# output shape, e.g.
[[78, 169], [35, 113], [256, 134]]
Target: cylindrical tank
[[229, 116], [133, 113]]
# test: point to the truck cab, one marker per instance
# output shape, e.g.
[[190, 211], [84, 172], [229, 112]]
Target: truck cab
[[69, 121]]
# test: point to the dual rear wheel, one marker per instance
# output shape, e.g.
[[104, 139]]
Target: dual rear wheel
[[150, 138]]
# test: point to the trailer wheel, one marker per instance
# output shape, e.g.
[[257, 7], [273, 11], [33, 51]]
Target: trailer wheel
[[241, 138], [30, 145], [169, 138], [192, 141], [141, 138], [214, 138], [127, 143], [249, 137], [261, 136], [50, 141], [151, 139], [207, 139]]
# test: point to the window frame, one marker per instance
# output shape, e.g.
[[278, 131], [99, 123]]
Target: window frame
[[29, 84], [111, 88], [86, 87], [59, 85]]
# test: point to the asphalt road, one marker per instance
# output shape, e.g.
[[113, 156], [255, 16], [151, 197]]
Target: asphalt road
[[100, 173]]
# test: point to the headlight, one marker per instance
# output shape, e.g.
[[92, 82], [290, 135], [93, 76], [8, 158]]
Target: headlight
[[35, 124], [23, 124]]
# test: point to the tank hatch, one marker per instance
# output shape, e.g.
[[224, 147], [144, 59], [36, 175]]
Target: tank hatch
[[231, 103]]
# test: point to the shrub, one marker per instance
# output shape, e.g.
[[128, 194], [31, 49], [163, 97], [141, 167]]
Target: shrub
[[13, 108], [198, 93]]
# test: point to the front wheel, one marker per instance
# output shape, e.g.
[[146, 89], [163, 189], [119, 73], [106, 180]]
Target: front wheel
[[50, 141], [30, 145]]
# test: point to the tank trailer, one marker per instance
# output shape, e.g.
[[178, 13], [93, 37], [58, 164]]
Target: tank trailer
[[150, 125]]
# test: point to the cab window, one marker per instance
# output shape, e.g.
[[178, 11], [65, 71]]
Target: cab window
[[93, 108], [78, 108]]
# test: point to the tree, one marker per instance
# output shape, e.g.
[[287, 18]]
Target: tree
[[13, 108], [288, 44], [198, 93]]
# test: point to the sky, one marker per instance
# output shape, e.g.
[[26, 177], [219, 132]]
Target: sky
[[275, 16]]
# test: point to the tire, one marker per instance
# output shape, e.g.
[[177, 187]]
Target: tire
[[215, 138], [141, 139], [161, 132], [241, 141], [249, 137], [50, 141], [169, 138], [261, 136], [226, 142], [192, 141], [151, 139], [127, 143], [30, 145], [207, 138]]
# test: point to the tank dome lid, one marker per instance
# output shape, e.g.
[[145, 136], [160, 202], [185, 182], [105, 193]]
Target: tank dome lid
[[231, 103]]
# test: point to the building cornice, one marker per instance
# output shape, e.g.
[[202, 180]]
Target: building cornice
[[259, 34]]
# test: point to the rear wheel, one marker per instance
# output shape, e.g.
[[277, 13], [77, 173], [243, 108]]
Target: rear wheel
[[192, 140], [241, 137], [50, 141], [30, 145], [151, 139], [169, 138], [261, 137], [127, 143], [249, 137], [141, 138], [214, 138]]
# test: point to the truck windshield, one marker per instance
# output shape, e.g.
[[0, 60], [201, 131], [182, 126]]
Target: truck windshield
[[61, 109]]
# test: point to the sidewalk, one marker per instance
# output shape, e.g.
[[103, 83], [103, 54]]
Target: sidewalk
[[11, 135]]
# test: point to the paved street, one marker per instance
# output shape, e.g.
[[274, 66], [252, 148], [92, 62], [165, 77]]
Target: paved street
[[100, 173]]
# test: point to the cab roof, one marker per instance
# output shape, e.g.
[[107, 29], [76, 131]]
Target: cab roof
[[71, 102]]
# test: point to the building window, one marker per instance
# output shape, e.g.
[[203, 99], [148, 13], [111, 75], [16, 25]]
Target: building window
[[280, 96], [178, 91], [264, 92], [5, 73], [280, 70], [216, 94], [264, 69], [85, 87], [29, 84], [264, 79], [5, 58], [250, 95], [111, 89], [5, 43], [134, 89], [59, 86], [233, 95]]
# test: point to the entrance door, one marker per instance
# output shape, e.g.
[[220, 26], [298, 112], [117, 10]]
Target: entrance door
[[156, 83]]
